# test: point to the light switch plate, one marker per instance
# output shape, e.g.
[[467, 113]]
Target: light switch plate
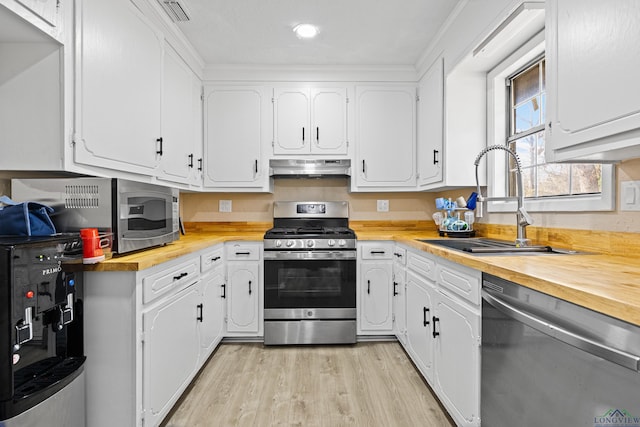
[[383, 206], [630, 196], [224, 206]]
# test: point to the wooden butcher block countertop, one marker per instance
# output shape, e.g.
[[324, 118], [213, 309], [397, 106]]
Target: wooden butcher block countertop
[[600, 280]]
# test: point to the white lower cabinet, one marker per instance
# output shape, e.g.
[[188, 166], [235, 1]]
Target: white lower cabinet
[[375, 288], [244, 289], [456, 326], [170, 350], [213, 311], [443, 331], [400, 303], [147, 333], [419, 309]]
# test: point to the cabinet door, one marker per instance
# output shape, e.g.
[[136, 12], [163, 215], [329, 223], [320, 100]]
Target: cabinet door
[[591, 58], [179, 118], [431, 124], [213, 312], [399, 304], [235, 130], [419, 313], [119, 86], [170, 352], [376, 307], [457, 358], [242, 297], [291, 133], [329, 121], [386, 136]]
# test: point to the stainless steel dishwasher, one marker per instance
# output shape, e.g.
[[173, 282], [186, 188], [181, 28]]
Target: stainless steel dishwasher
[[548, 362]]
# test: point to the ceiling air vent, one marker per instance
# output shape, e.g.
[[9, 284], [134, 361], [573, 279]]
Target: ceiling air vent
[[176, 10]]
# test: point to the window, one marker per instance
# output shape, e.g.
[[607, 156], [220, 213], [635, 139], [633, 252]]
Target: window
[[527, 102], [516, 100]]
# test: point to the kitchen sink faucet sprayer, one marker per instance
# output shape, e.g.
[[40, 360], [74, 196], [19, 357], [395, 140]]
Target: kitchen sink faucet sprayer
[[522, 216]]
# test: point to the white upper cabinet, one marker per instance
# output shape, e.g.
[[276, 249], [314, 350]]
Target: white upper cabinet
[[592, 60], [46, 15], [431, 124], [237, 128], [119, 67], [181, 158], [385, 138], [310, 121]]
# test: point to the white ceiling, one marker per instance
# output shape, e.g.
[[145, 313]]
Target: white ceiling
[[352, 32]]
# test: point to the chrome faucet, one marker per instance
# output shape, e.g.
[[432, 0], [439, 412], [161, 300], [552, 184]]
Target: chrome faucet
[[522, 216]]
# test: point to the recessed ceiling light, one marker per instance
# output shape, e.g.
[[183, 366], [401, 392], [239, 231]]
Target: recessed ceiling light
[[306, 31]]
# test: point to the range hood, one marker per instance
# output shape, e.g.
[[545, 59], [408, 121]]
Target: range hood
[[313, 168]]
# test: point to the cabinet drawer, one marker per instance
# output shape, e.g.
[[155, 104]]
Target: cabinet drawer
[[376, 250], [400, 255], [243, 251], [160, 283], [462, 281], [212, 259], [426, 267]]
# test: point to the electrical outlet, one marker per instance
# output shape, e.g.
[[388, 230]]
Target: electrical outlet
[[383, 206], [224, 206]]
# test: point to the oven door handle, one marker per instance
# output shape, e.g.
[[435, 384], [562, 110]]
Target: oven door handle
[[630, 361], [309, 255]]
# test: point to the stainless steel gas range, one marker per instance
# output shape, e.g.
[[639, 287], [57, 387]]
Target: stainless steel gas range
[[310, 275]]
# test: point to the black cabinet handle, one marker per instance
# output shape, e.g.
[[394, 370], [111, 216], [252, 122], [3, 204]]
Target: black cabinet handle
[[215, 258], [224, 290], [303, 135], [159, 151], [243, 253], [180, 276], [435, 157], [255, 166], [249, 287], [317, 133], [377, 252], [395, 287], [368, 286], [200, 164], [425, 322], [363, 166], [435, 319], [191, 160], [200, 306]]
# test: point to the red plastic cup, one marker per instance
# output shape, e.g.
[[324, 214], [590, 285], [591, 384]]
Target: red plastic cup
[[91, 247]]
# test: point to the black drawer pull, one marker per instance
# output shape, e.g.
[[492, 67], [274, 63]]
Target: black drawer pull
[[435, 157], [368, 286], [214, 259], [190, 161], [425, 322], [435, 333], [159, 151], [200, 164], [395, 288], [180, 276], [200, 307], [224, 290], [243, 253], [249, 287], [377, 252]]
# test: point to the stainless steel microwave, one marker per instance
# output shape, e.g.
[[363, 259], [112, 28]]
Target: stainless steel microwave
[[139, 215]]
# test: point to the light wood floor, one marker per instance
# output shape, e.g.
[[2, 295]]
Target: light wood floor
[[368, 384]]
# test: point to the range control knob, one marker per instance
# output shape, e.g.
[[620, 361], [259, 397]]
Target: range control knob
[[278, 243], [331, 242], [310, 243], [290, 243], [341, 242]]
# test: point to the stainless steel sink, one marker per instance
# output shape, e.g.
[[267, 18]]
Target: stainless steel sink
[[482, 246]]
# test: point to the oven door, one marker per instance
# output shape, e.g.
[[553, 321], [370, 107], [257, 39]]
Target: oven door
[[319, 282]]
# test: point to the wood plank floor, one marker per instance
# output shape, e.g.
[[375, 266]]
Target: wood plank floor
[[368, 384]]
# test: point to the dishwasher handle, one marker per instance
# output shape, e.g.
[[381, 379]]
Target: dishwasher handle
[[622, 358]]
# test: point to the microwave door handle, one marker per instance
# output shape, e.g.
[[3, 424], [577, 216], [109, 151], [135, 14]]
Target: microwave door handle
[[628, 360]]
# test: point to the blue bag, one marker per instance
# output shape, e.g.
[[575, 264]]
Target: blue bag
[[25, 219]]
